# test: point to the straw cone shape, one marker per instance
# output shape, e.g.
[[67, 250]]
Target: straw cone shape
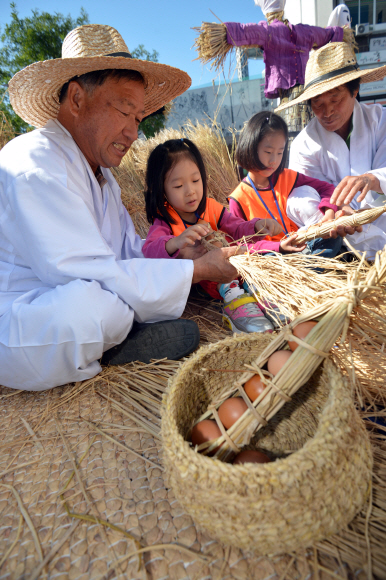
[[281, 506], [358, 218]]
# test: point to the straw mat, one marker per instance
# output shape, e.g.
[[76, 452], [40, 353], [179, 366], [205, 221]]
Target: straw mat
[[87, 428]]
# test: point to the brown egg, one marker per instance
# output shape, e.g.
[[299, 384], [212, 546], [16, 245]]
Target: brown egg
[[205, 430], [230, 410], [249, 456], [277, 360], [301, 331], [254, 387]]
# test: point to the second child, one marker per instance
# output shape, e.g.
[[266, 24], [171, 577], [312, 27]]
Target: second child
[[264, 192], [176, 201]]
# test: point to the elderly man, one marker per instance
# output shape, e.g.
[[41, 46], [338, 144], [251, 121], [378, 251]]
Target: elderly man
[[345, 144], [73, 278]]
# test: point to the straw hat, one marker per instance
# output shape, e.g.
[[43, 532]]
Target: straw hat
[[34, 91], [331, 66]]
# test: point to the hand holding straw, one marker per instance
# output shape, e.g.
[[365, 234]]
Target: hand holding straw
[[358, 218]]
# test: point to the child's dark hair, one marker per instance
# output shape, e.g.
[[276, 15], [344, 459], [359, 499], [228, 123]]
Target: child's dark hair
[[254, 131], [161, 160]]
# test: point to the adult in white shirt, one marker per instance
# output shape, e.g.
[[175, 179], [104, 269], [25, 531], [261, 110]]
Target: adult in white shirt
[[345, 144], [73, 279]]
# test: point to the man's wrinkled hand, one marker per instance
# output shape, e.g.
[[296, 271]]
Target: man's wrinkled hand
[[192, 252], [347, 189], [215, 266]]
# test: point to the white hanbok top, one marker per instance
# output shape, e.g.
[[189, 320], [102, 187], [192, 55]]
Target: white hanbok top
[[324, 155], [57, 224]]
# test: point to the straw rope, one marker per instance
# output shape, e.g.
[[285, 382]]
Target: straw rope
[[358, 218]]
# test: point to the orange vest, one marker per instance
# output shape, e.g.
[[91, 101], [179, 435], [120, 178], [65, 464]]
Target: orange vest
[[252, 207], [212, 214]]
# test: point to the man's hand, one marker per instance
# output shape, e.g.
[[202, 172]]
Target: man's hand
[[339, 230], [288, 245], [215, 266], [347, 189], [192, 252], [268, 227], [188, 238]]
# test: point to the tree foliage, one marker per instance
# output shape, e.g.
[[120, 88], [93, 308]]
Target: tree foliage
[[27, 40], [155, 122]]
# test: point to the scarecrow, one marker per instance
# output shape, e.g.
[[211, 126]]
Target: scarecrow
[[285, 46]]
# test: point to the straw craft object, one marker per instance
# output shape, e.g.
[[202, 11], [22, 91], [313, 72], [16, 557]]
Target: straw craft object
[[321, 476], [358, 218]]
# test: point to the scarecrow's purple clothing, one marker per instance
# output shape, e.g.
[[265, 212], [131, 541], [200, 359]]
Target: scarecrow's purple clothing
[[286, 49]]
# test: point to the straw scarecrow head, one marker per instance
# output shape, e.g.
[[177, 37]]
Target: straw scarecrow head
[[34, 91], [331, 66]]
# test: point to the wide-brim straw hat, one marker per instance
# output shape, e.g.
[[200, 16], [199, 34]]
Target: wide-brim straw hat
[[34, 91], [331, 66]]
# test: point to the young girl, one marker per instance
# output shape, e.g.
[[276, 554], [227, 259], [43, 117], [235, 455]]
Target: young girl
[[176, 200], [262, 151]]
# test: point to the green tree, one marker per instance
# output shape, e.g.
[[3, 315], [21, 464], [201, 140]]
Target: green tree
[[27, 40], [156, 121]]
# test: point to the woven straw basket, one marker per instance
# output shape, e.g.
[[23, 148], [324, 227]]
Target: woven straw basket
[[319, 481]]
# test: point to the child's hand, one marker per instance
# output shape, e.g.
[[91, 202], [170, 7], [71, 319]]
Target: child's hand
[[288, 245], [329, 215], [268, 227], [187, 238]]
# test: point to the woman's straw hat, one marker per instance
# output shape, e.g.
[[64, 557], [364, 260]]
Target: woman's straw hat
[[34, 91], [328, 67]]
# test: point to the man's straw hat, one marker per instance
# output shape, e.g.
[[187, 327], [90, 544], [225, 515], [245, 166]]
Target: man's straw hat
[[328, 67], [34, 91]]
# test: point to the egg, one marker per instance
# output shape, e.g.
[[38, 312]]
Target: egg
[[278, 360], [249, 456], [230, 410], [301, 331], [254, 387], [203, 431]]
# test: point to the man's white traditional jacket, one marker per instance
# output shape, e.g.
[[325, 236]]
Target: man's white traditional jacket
[[324, 155], [57, 224]]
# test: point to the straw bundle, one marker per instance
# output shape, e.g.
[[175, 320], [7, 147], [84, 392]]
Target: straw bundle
[[211, 44], [318, 482], [358, 218]]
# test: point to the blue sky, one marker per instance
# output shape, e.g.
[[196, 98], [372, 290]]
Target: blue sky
[[163, 26]]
